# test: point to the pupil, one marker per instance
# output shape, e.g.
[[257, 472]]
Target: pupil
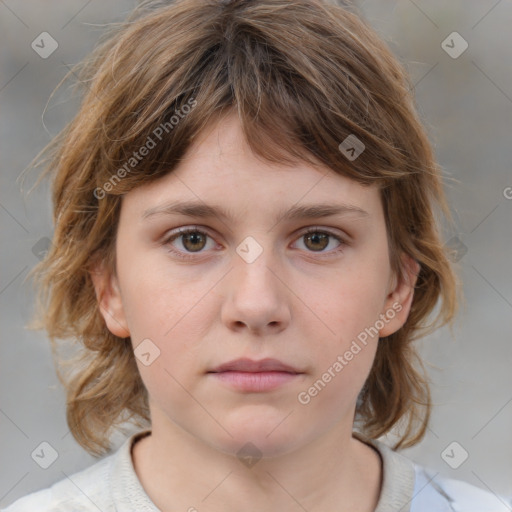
[[194, 238], [315, 238]]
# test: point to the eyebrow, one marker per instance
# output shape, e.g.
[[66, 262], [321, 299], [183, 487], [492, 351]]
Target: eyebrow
[[203, 210]]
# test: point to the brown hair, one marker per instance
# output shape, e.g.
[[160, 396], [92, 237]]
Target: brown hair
[[302, 76]]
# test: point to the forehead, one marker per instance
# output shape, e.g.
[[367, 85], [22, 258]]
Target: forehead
[[220, 170]]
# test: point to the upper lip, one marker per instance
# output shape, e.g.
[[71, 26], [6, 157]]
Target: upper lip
[[248, 365]]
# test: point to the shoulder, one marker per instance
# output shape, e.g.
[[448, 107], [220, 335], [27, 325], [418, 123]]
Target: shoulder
[[82, 491], [432, 492], [410, 487]]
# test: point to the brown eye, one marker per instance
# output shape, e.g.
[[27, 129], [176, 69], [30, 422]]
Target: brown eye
[[318, 240], [193, 240]]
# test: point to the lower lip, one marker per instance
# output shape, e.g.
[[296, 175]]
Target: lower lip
[[255, 381]]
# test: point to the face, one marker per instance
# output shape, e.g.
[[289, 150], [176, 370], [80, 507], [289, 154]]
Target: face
[[313, 292]]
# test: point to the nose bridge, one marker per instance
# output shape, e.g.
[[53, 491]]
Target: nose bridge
[[256, 264], [256, 296]]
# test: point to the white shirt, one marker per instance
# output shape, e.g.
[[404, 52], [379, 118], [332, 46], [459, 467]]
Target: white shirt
[[111, 485]]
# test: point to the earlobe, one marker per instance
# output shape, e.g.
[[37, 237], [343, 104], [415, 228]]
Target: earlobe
[[399, 300], [109, 300]]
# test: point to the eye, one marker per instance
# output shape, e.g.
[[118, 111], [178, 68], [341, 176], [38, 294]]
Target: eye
[[318, 239], [192, 239]]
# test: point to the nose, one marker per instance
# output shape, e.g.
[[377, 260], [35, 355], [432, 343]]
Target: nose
[[256, 296]]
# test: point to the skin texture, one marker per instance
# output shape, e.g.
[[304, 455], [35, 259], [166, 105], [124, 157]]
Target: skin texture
[[299, 301]]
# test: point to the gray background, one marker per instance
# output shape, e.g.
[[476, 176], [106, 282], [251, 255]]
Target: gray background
[[466, 103]]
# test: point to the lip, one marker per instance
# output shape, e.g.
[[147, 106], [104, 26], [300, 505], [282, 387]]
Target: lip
[[255, 376], [248, 365]]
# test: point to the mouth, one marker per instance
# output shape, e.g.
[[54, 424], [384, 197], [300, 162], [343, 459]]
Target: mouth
[[255, 376], [248, 365]]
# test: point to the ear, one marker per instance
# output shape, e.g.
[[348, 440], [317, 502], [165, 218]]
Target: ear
[[399, 300], [109, 300]]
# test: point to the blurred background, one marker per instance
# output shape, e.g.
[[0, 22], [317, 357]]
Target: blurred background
[[459, 56]]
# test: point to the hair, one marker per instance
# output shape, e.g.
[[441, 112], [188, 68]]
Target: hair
[[302, 75]]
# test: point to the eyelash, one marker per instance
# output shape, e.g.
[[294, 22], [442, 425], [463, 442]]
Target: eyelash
[[188, 256]]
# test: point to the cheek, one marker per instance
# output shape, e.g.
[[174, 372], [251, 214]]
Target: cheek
[[347, 352], [175, 314], [351, 315], [355, 301], [332, 392], [160, 303]]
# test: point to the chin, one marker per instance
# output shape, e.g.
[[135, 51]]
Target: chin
[[263, 436]]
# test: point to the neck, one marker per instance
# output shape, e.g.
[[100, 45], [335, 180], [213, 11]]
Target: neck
[[178, 471]]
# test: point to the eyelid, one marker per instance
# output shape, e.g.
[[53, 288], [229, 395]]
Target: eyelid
[[342, 235], [336, 232], [175, 234], [343, 238]]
